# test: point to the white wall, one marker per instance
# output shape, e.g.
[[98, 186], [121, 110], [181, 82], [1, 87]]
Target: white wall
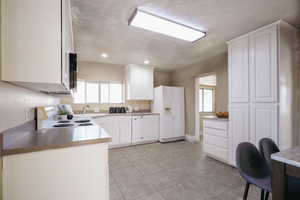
[[162, 78], [15, 102], [93, 71]]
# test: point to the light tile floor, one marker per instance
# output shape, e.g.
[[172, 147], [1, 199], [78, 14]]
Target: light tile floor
[[172, 171]]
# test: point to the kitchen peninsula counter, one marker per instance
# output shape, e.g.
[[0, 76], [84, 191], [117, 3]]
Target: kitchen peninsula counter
[[55, 163], [25, 139]]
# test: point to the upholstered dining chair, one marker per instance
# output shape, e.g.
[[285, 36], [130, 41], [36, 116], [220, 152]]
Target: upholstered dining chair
[[254, 169], [267, 147]]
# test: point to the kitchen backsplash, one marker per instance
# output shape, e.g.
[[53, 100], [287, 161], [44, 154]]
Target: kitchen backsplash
[[137, 105], [17, 105]]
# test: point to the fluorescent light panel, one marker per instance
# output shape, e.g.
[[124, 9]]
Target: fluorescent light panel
[[104, 55], [158, 24]]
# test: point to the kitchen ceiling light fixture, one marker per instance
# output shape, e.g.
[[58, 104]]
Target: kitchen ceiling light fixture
[[104, 55], [165, 26], [146, 62]]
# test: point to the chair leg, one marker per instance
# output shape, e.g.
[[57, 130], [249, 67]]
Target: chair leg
[[246, 191], [262, 195], [267, 196]]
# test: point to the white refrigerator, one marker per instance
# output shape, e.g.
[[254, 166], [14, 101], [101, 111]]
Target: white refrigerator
[[169, 103]]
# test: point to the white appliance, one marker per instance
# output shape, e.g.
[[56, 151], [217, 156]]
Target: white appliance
[[169, 103]]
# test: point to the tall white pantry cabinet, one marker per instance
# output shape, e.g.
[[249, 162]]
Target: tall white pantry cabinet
[[263, 87]]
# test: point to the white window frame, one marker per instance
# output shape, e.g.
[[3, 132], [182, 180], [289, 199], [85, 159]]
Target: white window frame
[[202, 87], [85, 88], [104, 82], [99, 91]]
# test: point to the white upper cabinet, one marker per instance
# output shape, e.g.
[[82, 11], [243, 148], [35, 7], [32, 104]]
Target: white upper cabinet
[[264, 122], [239, 70], [36, 39], [139, 82], [263, 65]]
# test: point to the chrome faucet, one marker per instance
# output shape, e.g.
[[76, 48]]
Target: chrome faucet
[[84, 109]]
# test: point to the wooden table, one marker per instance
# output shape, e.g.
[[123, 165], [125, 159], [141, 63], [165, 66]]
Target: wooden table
[[285, 163]]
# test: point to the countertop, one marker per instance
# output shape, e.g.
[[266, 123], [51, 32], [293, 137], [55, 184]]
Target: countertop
[[97, 115], [289, 156], [215, 118], [24, 139]]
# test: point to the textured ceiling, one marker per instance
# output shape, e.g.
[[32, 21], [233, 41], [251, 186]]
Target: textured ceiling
[[102, 26]]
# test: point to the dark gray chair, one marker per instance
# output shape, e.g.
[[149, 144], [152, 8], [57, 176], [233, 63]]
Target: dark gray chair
[[267, 147], [253, 168]]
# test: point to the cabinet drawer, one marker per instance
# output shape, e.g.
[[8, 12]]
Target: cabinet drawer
[[216, 132], [215, 124], [216, 152], [216, 141]]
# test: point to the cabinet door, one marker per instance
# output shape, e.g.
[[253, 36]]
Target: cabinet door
[[110, 124], [31, 41], [239, 122], [125, 129], [264, 122], [263, 65], [139, 83], [238, 70], [137, 129]]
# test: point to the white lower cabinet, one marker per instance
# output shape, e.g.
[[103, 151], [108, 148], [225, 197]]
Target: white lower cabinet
[[127, 130], [119, 128], [111, 125], [145, 128], [215, 139], [264, 122], [239, 127], [250, 123], [77, 173]]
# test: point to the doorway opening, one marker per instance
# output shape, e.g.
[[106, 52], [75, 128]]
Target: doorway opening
[[205, 93]]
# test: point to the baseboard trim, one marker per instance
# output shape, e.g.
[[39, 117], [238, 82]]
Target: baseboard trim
[[191, 138], [166, 140]]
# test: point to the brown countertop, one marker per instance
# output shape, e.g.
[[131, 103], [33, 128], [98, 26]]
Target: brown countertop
[[213, 117], [98, 115], [25, 139], [288, 156]]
